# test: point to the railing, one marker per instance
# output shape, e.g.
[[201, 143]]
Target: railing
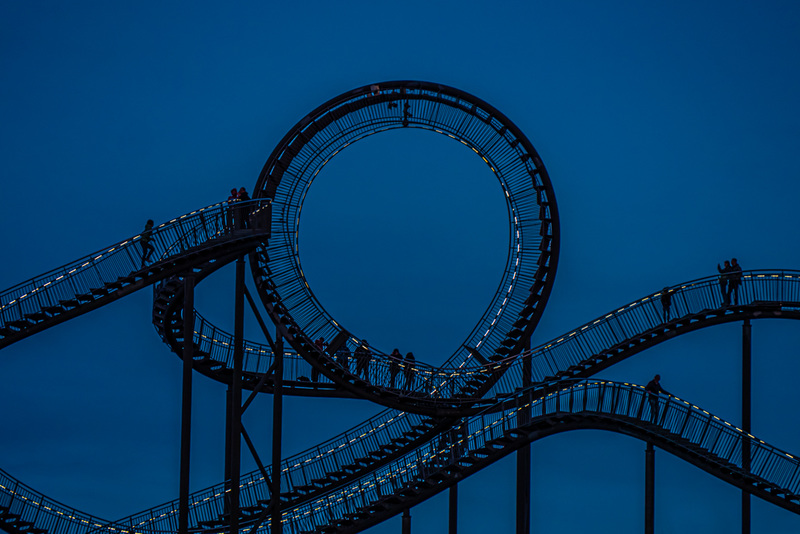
[[45, 513], [532, 214], [209, 504], [775, 288], [720, 441], [297, 471], [780, 288], [124, 259], [758, 288]]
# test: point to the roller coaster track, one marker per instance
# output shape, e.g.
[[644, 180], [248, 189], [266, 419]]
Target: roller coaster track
[[680, 428], [385, 443], [202, 238], [491, 397]]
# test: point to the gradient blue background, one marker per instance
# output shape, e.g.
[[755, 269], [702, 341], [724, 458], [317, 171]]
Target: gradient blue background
[[670, 132]]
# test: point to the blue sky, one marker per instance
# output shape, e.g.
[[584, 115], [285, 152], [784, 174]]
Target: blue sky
[[669, 130]]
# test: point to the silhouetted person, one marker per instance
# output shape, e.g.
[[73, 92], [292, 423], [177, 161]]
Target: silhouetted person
[[242, 211], [666, 302], [234, 196], [320, 344], [653, 388], [408, 370], [146, 242], [394, 365], [734, 282], [363, 356], [343, 357], [724, 278]]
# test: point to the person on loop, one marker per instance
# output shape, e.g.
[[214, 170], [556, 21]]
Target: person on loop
[[653, 388]]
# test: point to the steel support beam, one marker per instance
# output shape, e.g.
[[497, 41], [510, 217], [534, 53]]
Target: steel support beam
[[277, 436], [406, 528], [649, 489], [186, 403], [228, 425], [524, 457], [746, 421], [236, 396], [452, 523]]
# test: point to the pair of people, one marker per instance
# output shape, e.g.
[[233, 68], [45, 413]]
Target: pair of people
[[241, 194], [396, 363], [730, 278], [237, 216], [363, 355]]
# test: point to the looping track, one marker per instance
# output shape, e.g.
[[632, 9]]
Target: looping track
[[456, 419]]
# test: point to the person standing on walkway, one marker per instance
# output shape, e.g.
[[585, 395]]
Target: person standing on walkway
[[734, 282], [666, 302], [724, 278], [409, 370], [343, 357], [242, 211], [146, 242], [321, 345], [653, 388], [394, 366], [363, 356]]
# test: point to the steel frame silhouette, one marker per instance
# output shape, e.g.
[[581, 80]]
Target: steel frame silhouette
[[493, 396]]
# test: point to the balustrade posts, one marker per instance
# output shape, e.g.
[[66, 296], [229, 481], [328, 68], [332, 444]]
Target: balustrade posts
[[236, 396], [524, 455], [228, 425], [277, 435], [186, 402], [649, 489], [746, 421]]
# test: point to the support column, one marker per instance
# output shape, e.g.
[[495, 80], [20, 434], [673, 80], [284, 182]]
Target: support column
[[277, 429], [524, 457], [186, 403], [452, 525], [228, 425], [746, 421], [406, 521], [649, 489], [236, 396]]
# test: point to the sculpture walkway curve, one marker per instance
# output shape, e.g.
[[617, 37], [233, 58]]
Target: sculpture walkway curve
[[381, 443], [492, 396]]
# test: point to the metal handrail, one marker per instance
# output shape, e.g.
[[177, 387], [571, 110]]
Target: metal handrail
[[125, 259], [720, 443], [759, 288], [301, 468]]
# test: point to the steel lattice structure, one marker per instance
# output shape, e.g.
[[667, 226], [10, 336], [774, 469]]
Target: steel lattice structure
[[493, 396]]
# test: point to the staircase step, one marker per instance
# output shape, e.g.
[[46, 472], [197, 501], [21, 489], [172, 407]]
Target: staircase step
[[36, 316], [19, 323]]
